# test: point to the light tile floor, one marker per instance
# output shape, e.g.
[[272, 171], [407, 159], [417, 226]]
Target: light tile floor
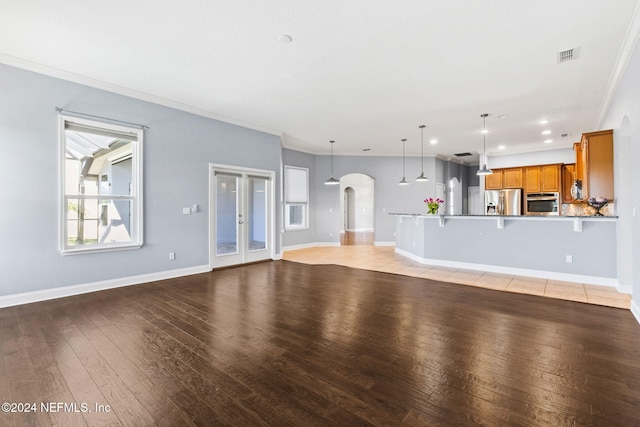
[[385, 259]]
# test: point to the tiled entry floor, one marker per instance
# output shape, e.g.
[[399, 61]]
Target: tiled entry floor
[[385, 259]]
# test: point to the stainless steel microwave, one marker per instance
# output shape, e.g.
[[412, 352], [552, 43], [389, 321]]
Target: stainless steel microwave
[[542, 204]]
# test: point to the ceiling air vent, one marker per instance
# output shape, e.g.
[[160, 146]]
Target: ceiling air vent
[[568, 55], [463, 154]]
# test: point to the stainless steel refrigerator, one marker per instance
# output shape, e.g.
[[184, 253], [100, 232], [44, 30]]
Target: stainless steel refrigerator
[[503, 202]]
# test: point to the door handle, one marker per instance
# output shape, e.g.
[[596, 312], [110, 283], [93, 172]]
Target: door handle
[[240, 222]]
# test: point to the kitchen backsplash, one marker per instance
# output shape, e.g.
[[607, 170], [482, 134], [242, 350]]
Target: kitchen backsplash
[[583, 209]]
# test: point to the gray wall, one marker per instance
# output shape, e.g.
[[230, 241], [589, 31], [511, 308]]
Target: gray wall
[[325, 214], [389, 196], [524, 243], [177, 150], [301, 237], [624, 118]]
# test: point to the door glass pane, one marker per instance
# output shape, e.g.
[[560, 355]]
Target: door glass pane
[[257, 211], [227, 215]]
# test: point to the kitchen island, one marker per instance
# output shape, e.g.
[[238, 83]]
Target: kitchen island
[[573, 249]]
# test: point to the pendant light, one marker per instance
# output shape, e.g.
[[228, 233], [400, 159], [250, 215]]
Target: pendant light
[[484, 170], [422, 178], [404, 180], [332, 180]]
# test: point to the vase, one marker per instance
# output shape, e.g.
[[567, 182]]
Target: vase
[[433, 211]]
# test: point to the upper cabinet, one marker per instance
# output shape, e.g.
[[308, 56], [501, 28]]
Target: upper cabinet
[[542, 179], [494, 180], [512, 178], [594, 164], [504, 178], [567, 175]]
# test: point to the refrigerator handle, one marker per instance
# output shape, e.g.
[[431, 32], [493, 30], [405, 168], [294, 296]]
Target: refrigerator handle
[[501, 203]]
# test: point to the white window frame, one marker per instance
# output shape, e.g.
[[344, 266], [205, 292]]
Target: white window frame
[[304, 203], [136, 191]]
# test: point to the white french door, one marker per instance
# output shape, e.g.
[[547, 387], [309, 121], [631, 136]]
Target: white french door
[[241, 212]]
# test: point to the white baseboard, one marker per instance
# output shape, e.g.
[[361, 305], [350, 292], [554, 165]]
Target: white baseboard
[[66, 291], [309, 245], [635, 310], [550, 275], [384, 243]]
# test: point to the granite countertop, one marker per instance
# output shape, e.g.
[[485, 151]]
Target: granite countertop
[[550, 217]]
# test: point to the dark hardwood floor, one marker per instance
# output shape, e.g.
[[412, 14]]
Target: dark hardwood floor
[[286, 344]]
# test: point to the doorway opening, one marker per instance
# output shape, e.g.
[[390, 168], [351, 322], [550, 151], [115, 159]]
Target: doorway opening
[[357, 205], [241, 215]]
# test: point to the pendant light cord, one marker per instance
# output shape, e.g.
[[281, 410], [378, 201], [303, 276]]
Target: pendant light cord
[[484, 138], [403, 159], [331, 158], [422, 148]]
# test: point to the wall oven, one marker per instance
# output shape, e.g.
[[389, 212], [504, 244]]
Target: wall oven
[[542, 204]]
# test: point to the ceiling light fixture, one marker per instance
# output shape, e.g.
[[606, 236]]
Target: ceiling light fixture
[[285, 38], [433, 141], [404, 180], [332, 180], [422, 178], [484, 170], [546, 132], [548, 141]]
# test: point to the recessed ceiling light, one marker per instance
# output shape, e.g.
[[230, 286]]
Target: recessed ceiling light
[[366, 149], [544, 121], [285, 38], [485, 130], [433, 141], [548, 141], [501, 147], [546, 132], [502, 116]]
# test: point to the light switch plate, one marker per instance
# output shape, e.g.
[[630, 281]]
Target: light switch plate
[[186, 211]]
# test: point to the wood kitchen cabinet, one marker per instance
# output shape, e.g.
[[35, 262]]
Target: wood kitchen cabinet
[[504, 178], [567, 175], [493, 181], [542, 179], [512, 178], [594, 164]]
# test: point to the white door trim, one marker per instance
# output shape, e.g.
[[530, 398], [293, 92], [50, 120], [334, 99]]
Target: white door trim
[[244, 172]]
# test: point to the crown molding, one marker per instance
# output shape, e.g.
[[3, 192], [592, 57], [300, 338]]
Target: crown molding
[[120, 90], [626, 51]]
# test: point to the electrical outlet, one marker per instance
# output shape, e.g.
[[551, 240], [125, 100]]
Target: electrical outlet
[[569, 259], [186, 211], [172, 256]]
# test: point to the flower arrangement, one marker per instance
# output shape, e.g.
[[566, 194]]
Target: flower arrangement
[[433, 204]]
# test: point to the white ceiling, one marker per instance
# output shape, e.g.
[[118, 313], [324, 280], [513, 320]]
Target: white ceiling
[[364, 73]]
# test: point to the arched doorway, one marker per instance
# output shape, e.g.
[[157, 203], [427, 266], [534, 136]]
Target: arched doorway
[[349, 214], [357, 206]]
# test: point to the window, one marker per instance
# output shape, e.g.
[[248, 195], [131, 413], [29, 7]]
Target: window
[[296, 198], [101, 186]]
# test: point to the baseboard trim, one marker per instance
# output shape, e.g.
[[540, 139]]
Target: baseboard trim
[[308, 245], [541, 274], [384, 243], [66, 291], [635, 310]]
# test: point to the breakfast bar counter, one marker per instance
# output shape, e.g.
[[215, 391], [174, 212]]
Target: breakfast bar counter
[[574, 249]]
